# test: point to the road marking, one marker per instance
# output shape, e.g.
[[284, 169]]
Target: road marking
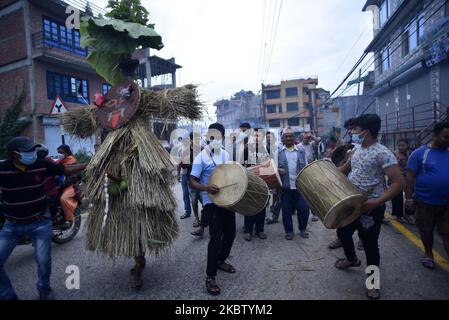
[[443, 263]]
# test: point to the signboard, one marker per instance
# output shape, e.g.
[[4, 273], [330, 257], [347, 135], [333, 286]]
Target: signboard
[[57, 107]]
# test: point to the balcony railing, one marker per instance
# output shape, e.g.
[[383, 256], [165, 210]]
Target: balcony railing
[[40, 42], [413, 123]]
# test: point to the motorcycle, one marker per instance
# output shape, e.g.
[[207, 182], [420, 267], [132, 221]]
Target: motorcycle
[[62, 232]]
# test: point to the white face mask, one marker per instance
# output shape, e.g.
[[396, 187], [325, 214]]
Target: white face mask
[[61, 156], [243, 135], [215, 144]]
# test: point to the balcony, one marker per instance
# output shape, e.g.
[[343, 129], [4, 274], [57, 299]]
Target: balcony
[[57, 53]]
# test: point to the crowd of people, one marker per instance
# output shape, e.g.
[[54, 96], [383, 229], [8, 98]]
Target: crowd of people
[[416, 183], [379, 173]]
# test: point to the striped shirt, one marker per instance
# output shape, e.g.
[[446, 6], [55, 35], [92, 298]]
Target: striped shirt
[[23, 192]]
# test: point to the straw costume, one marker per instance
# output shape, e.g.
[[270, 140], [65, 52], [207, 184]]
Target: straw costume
[[129, 178]]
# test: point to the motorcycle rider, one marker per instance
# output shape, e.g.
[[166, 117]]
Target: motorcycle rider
[[22, 187]]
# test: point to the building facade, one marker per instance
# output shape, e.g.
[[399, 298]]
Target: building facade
[[410, 47], [244, 106], [294, 103], [44, 58]]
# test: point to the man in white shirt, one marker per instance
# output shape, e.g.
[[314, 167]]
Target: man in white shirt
[[221, 221]]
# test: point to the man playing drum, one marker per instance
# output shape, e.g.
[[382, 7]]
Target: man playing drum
[[253, 153], [221, 221], [367, 169]]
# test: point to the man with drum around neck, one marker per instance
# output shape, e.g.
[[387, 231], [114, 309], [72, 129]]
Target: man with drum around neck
[[292, 159], [367, 169], [253, 153], [221, 221]]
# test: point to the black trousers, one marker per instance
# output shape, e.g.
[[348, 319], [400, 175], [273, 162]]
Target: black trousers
[[222, 234], [257, 221], [398, 205], [369, 237]]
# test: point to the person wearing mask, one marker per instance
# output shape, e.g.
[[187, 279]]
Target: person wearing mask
[[22, 186], [221, 221], [184, 168], [256, 154], [367, 169], [427, 190], [292, 159], [275, 208], [51, 184], [68, 200]]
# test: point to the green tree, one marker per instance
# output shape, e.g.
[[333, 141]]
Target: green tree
[[12, 124], [128, 11]]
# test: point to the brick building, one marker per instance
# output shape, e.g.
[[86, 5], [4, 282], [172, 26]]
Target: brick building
[[45, 58]]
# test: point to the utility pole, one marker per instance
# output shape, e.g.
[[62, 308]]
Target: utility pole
[[358, 94]]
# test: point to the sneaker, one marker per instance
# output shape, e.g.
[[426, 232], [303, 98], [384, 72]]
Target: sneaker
[[248, 236], [46, 295], [289, 236], [261, 235], [386, 222], [271, 221], [198, 233], [304, 234], [314, 219], [185, 216]]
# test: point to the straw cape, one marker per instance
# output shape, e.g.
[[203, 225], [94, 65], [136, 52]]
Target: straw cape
[[141, 213]]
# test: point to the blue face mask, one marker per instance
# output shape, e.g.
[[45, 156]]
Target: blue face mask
[[358, 138], [27, 158]]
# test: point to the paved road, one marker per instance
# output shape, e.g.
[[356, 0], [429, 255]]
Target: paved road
[[266, 269]]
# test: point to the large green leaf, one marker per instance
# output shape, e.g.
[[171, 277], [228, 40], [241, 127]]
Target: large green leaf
[[133, 34], [106, 65]]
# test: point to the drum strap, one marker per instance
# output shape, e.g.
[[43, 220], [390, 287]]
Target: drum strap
[[211, 156]]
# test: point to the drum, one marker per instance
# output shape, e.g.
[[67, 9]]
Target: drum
[[268, 172], [329, 194], [240, 191]]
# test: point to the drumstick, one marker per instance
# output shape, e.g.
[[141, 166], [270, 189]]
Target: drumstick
[[228, 185]]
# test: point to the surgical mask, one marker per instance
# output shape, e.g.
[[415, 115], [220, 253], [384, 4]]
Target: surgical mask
[[215, 144], [28, 158], [243, 135], [358, 138], [61, 156]]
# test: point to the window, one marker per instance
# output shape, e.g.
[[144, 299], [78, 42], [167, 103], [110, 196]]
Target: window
[[293, 106], [384, 59], [291, 92], [273, 94], [271, 108], [69, 88], [57, 35], [384, 12], [105, 88], [274, 123], [293, 122], [412, 37]]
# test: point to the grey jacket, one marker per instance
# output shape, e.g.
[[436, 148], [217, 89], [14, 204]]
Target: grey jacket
[[283, 164]]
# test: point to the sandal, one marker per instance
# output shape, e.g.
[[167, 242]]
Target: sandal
[[197, 233], [212, 287], [373, 294], [335, 244], [344, 263], [196, 224], [226, 267], [428, 263]]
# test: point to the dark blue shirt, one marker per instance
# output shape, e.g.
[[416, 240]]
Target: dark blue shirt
[[431, 167]]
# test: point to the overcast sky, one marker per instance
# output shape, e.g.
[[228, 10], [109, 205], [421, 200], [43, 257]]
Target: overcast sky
[[219, 42]]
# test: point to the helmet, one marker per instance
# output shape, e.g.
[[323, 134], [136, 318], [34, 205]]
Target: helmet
[[42, 151]]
